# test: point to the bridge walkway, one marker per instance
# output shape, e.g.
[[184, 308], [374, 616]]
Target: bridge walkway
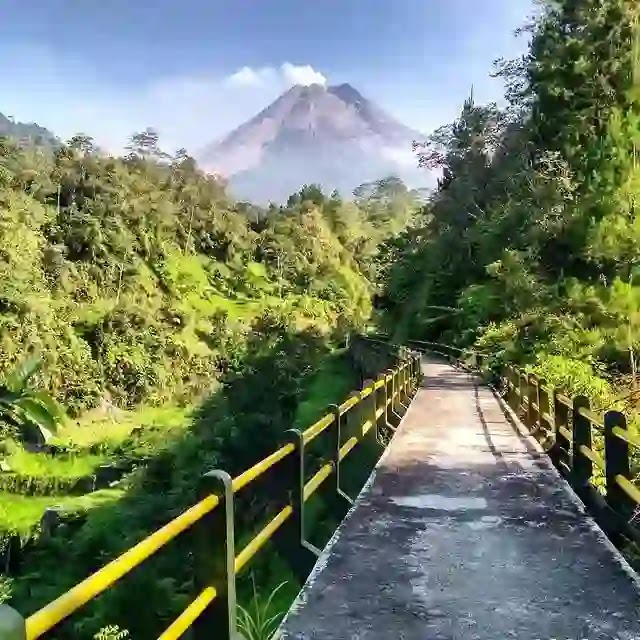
[[466, 531]]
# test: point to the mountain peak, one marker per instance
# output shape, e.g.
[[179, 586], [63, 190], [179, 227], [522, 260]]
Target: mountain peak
[[332, 135], [347, 93]]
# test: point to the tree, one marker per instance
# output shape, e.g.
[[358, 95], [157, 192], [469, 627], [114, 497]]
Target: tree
[[184, 162], [144, 146], [82, 143], [33, 414], [309, 193]]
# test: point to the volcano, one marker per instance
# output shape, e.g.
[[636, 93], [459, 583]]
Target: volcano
[[332, 136]]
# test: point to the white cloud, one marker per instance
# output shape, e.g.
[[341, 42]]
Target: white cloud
[[285, 76], [248, 77], [303, 74]]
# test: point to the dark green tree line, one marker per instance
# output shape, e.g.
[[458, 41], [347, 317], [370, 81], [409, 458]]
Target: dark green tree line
[[531, 236]]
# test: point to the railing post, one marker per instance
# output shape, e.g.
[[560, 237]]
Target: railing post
[[544, 408], [301, 553], [616, 455], [562, 446], [417, 371], [399, 404], [407, 383], [513, 388], [402, 386], [341, 496], [542, 401], [12, 624], [391, 383], [393, 393], [385, 399], [381, 402], [532, 396], [523, 384], [369, 407], [215, 560], [507, 378], [354, 420], [582, 467], [398, 391]]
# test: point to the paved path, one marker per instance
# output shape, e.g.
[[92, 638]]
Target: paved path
[[465, 532]]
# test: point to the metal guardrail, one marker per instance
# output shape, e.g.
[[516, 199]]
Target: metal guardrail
[[212, 613], [586, 447]]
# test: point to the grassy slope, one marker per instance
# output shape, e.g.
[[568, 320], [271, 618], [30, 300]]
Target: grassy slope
[[23, 513]]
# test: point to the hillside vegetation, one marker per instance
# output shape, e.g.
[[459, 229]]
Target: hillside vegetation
[[178, 331], [28, 134], [529, 249]]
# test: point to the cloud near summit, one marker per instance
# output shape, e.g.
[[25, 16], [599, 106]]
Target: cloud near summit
[[284, 76]]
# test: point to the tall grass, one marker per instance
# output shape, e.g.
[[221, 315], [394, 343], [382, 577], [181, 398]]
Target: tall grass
[[259, 621]]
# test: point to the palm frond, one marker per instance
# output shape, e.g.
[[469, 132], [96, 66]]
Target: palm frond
[[34, 413]]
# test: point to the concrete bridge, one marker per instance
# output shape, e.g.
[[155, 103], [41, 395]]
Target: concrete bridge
[[466, 531]]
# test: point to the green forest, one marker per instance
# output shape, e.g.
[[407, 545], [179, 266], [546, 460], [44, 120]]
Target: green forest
[[152, 328], [528, 251]]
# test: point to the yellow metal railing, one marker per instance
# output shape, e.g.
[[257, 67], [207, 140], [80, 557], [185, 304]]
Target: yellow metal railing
[[594, 452], [212, 612]]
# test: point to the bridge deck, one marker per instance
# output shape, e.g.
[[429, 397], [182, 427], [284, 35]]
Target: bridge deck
[[465, 532]]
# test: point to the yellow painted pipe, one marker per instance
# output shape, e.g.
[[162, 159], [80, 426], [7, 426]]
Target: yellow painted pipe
[[592, 455], [346, 447], [367, 391], [565, 432], [321, 475], [366, 426], [261, 538], [629, 488], [591, 417], [627, 436], [348, 404], [189, 615], [50, 615], [316, 429], [259, 468]]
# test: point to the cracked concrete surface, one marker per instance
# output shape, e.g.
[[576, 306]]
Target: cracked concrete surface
[[465, 532]]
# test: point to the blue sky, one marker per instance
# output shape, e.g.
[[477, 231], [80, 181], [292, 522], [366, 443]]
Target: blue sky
[[196, 68]]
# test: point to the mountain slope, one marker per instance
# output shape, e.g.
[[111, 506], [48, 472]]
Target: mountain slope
[[27, 133], [328, 135]]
